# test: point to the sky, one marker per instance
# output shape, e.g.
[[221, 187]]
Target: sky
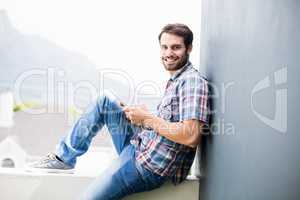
[[113, 34]]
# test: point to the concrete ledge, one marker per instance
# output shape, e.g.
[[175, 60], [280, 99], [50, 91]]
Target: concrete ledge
[[20, 185]]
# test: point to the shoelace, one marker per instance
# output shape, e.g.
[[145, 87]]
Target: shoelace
[[47, 158]]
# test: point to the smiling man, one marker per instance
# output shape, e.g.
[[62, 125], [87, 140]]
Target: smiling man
[[152, 148]]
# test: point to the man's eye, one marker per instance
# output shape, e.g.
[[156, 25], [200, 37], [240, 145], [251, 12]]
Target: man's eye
[[176, 47]]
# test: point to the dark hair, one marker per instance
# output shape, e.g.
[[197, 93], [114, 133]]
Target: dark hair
[[181, 30]]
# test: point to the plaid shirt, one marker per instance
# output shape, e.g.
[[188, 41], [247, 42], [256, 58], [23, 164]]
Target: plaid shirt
[[186, 97]]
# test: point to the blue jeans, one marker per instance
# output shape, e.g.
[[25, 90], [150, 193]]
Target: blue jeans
[[125, 176]]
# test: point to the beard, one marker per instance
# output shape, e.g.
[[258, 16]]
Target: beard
[[176, 65]]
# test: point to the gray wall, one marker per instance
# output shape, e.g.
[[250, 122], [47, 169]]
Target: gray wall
[[252, 48]]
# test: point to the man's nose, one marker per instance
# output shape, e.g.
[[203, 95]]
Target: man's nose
[[169, 52]]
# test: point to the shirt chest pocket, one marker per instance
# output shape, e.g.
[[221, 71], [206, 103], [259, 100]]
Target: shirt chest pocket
[[169, 109]]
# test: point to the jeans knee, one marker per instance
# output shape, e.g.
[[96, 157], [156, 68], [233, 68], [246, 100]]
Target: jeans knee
[[101, 99], [105, 100]]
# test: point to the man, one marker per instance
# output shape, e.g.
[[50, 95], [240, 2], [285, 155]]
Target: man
[[152, 149]]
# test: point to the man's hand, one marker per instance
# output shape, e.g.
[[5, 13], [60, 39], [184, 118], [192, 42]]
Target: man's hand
[[187, 132], [137, 114]]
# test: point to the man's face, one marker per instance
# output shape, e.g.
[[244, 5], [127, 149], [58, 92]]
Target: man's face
[[174, 53]]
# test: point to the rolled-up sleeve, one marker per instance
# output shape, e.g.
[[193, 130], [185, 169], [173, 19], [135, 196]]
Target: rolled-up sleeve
[[193, 99]]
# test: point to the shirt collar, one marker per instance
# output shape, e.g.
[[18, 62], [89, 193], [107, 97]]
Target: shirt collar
[[180, 71]]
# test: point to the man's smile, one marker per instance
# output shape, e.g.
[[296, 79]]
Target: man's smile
[[170, 60]]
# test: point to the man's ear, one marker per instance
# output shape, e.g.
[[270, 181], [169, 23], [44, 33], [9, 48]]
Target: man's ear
[[189, 49]]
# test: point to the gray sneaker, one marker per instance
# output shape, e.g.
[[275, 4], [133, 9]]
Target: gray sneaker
[[50, 164]]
